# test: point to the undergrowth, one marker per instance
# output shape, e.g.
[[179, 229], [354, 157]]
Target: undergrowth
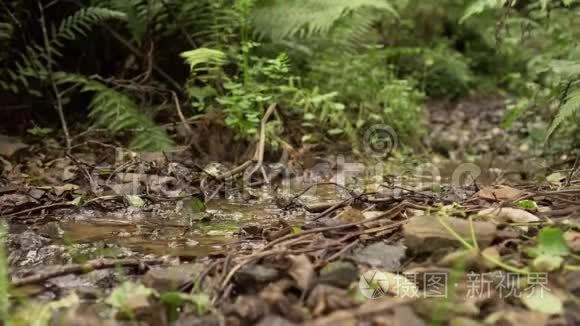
[[337, 67]]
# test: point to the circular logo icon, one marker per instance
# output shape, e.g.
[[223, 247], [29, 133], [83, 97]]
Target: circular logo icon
[[372, 283], [380, 140]]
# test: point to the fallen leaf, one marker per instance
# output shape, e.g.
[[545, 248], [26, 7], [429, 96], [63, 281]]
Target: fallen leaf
[[516, 318], [542, 300], [573, 240], [508, 214], [499, 193], [550, 242], [350, 215], [427, 234], [59, 190], [527, 204], [545, 263], [301, 271], [135, 201], [556, 178]]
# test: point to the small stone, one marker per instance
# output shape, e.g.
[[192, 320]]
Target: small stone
[[340, 274], [382, 256], [256, 274], [171, 278]]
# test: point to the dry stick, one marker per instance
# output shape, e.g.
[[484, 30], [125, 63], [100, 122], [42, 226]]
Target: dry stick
[[237, 170], [259, 154], [341, 252], [573, 170], [391, 212], [38, 208], [138, 53], [334, 207], [84, 268], [59, 107], [180, 113]]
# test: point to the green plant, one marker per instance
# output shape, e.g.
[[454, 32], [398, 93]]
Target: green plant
[[4, 281], [279, 19], [552, 50], [118, 112], [32, 63]]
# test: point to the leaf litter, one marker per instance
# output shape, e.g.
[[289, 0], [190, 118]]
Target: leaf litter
[[409, 255]]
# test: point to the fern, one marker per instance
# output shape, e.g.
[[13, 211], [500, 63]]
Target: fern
[[203, 56], [570, 106], [32, 62], [280, 19], [117, 112], [479, 6]]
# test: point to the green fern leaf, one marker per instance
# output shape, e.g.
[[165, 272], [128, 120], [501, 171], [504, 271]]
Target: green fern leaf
[[280, 19], [479, 6], [200, 56], [570, 106]]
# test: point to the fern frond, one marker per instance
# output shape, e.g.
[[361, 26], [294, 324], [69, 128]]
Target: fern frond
[[479, 6], [204, 56], [33, 61], [280, 19], [118, 113], [570, 106]]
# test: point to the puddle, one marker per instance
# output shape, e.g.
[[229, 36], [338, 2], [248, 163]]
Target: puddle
[[175, 235]]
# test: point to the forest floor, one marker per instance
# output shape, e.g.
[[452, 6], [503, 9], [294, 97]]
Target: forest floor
[[476, 230]]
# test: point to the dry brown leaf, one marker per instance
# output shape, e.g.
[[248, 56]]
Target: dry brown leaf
[[573, 240], [350, 215], [499, 193], [508, 214], [301, 271]]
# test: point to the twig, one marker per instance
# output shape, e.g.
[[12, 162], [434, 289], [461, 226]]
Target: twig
[[180, 113], [237, 170], [38, 208], [84, 268], [332, 208], [57, 94], [573, 170], [391, 212], [259, 154], [136, 52]]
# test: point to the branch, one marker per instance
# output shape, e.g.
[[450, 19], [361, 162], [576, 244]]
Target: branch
[[57, 94]]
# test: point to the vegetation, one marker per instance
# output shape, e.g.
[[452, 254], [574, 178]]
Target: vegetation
[[342, 65]]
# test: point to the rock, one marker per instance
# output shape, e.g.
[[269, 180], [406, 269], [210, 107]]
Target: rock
[[171, 278], [274, 320], [340, 274], [10, 145], [253, 274], [382, 256], [426, 233]]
